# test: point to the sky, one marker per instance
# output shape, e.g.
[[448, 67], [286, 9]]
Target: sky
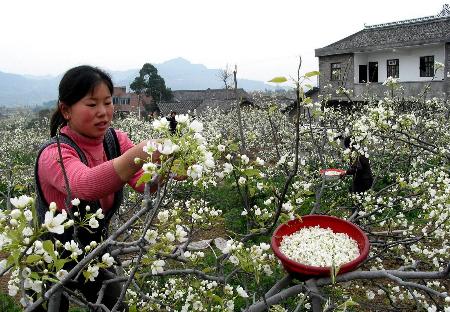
[[263, 38]]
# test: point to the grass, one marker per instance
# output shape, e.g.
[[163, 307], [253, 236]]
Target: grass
[[7, 304]]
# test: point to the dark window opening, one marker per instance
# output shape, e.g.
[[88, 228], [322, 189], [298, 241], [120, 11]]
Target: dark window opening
[[393, 68], [427, 66], [121, 101], [336, 71], [362, 73], [373, 71]]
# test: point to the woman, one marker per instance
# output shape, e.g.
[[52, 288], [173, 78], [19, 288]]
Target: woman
[[360, 170], [82, 120]]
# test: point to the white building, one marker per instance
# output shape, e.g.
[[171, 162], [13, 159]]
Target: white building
[[407, 50]]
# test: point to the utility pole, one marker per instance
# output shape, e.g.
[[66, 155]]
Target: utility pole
[[139, 106]]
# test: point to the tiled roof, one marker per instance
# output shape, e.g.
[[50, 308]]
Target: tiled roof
[[215, 94], [393, 35], [186, 101], [179, 107]]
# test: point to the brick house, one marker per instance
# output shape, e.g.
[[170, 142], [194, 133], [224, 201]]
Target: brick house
[[407, 50], [126, 102]]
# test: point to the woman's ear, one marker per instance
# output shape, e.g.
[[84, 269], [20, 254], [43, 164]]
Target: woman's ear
[[65, 110]]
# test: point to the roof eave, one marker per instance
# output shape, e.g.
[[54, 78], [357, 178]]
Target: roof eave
[[327, 51]]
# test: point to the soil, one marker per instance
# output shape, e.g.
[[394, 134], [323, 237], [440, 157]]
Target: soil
[[5, 278]]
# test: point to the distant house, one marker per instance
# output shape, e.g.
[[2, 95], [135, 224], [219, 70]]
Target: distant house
[[125, 102], [407, 50], [185, 101]]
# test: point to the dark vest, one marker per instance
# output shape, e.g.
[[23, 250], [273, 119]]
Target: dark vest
[[112, 150]]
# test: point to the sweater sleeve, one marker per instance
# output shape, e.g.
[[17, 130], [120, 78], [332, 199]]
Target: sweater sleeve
[[126, 144], [85, 183]]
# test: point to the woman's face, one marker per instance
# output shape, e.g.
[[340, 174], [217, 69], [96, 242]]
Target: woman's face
[[92, 115]]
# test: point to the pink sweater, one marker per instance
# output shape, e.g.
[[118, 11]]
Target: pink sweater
[[96, 181]]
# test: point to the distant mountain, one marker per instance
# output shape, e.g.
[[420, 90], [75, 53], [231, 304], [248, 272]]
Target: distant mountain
[[17, 90], [178, 73]]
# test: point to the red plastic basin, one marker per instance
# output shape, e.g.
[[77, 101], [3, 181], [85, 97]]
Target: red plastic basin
[[337, 225], [332, 177]]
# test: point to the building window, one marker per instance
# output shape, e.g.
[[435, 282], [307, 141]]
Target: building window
[[362, 73], [426, 66], [393, 68], [121, 100], [336, 71]]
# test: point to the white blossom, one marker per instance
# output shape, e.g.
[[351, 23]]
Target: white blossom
[[107, 259], [163, 216], [21, 202], [168, 147], [241, 292], [182, 118], [54, 224], [242, 180], [91, 272], [160, 124], [157, 266], [195, 171], [15, 213], [151, 236], [93, 223], [61, 274], [196, 126]]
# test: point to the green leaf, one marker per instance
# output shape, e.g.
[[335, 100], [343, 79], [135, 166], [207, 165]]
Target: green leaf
[[251, 172], [133, 308], [334, 272], [272, 109], [33, 258], [179, 168], [234, 147], [278, 79], [49, 248], [216, 298], [34, 275], [60, 263], [145, 177], [284, 218], [86, 275], [312, 74], [19, 187], [307, 100]]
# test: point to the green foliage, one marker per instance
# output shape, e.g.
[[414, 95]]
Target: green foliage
[[151, 84], [278, 80], [312, 74], [7, 304]]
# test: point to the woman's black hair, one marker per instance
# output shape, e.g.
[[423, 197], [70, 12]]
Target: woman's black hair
[[74, 85], [347, 141]]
